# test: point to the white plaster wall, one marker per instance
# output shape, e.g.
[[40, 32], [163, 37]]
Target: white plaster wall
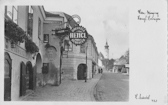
[[15, 80]]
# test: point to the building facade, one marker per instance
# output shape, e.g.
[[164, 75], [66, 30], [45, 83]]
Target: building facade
[[33, 54], [23, 50], [74, 60], [78, 58]]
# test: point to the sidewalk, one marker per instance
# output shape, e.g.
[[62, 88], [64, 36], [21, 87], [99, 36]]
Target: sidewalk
[[69, 90]]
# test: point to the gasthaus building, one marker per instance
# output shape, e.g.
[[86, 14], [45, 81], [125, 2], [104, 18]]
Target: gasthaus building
[[79, 57], [74, 58]]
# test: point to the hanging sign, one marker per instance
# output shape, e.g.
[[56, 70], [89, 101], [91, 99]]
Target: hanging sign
[[78, 35]]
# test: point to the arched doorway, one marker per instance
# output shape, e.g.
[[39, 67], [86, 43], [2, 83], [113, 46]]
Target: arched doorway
[[22, 79], [38, 63], [7, 77], [38, 71], [81, 71], [29, 75]]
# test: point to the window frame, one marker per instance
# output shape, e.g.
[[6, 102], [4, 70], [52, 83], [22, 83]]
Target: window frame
[[30, 11], [83, 46], [44, 37], [70, 49], [12, 13], [39, 28]]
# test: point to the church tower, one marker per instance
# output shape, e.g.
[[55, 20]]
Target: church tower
[[106, 50]]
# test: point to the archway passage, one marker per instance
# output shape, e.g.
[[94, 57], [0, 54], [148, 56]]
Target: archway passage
[[22, 79], [7, 77], [81, 71], [29, 75], [38, 71]]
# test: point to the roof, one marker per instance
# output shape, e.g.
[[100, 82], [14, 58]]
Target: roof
[[49, 14], [71, 21]]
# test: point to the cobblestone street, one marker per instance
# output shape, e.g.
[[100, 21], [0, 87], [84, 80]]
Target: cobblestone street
[[77, 90], [112, 87]]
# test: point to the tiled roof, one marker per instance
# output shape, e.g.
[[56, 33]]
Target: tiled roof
[[70, 20]]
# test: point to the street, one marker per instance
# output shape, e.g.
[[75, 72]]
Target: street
[[112, 87], [69, 90]]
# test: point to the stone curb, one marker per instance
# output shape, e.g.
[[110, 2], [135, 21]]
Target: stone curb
[[92, 90], [23, 97]]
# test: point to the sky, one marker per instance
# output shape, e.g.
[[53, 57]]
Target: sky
[[103, 19]]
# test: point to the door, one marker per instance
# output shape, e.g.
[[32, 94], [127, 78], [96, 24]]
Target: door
[[22, 79], [34, 76], [81, 72], [7, 80], [29, 75]]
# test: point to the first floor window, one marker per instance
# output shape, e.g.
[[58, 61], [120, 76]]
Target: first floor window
[[68, 45], [12, 13], [82, 48], [46, 38]]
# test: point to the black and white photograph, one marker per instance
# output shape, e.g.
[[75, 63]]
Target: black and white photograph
[[84, 51]]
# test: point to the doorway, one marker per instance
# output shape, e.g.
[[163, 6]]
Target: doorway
[[22, 79], [81, 71], [29, 75], [7, 77]]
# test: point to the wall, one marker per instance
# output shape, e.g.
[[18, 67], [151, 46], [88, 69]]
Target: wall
[[38, 40], [75, 58], [19, 54], [53, 76]]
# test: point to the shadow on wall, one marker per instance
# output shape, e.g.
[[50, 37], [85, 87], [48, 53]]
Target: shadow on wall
[[68, 73], [53, 75], [51, 78]]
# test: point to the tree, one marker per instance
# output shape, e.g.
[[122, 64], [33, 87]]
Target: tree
[[111, 63]]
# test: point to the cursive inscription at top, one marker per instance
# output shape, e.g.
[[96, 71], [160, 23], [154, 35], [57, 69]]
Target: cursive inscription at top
[[148, 15]]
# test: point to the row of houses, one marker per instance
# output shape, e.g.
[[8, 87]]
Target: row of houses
[[35, 55], [121, 65]]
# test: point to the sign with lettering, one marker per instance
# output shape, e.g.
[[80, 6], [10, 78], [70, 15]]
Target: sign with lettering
[[78, 35]]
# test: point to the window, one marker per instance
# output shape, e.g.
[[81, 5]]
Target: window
[[12, 13], [46, 38], [82, 48], [30, 22], [68, 45], [45, 68], [39, 28]]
